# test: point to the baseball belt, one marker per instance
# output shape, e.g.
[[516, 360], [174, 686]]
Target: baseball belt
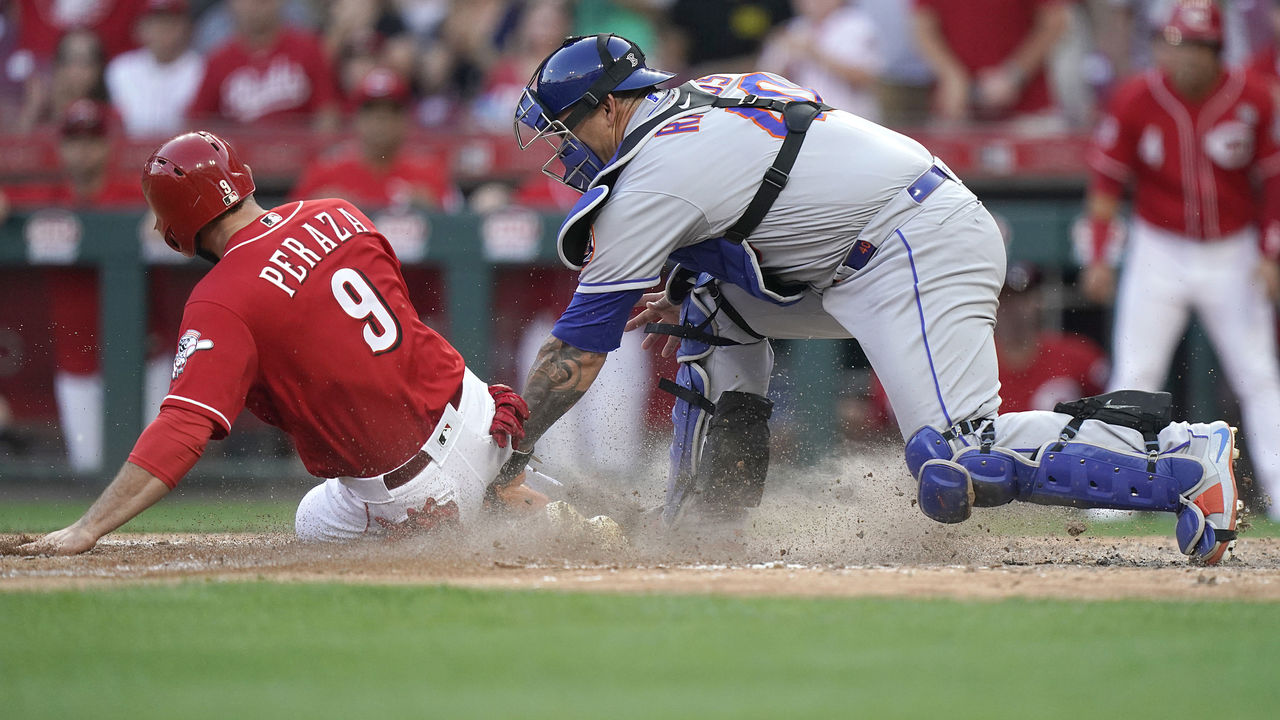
[[919, 190]]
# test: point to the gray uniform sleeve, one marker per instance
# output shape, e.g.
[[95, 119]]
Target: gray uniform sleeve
[[632, 237]]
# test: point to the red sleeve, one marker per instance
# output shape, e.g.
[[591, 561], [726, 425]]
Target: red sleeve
[[172, 443], [215, 365], [1114, 147]]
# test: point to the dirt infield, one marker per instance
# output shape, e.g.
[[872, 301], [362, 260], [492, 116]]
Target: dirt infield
[[843, 530], [1037, 567]]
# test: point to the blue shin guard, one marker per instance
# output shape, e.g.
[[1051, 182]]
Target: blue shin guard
[[1072, 474]]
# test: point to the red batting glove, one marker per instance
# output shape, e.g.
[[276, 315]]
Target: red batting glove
[[508, 416]]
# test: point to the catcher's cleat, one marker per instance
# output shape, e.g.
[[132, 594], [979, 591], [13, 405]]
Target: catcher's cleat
[[1206, 527]]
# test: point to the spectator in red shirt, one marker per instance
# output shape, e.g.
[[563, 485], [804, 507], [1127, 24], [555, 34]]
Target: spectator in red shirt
[[378, 170], [267, 72], [989, 55]]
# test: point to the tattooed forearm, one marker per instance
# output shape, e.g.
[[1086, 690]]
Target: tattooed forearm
[[560, 375]]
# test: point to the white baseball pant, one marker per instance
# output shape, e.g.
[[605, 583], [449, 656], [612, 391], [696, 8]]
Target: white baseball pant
[[1165, 278], [461, 468]]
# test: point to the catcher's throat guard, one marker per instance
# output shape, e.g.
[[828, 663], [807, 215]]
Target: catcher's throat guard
[[579, 165]]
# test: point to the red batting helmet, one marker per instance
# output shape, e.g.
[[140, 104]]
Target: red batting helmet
[[189, 182], [1196, 22]]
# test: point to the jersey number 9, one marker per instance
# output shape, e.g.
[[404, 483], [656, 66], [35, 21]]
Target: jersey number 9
[[359, 299]]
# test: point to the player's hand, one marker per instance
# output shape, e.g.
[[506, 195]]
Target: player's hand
[[68, 541], [515, 498], [1269, 276], [430, 518], [657, 309], [1098, 283], [997, 89], [510, 412]]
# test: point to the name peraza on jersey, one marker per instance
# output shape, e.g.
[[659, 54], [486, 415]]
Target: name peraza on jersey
[[290, 263], [306, 321]]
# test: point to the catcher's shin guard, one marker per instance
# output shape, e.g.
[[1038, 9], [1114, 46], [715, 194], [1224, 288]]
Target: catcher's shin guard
[[689, 418], [720, 450], [1073, 474]]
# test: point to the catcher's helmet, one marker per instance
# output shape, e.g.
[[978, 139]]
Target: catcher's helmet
[[576, 78], [190, 181], [1196, 22]]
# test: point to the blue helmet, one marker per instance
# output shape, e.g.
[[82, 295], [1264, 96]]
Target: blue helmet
[[576, 78]]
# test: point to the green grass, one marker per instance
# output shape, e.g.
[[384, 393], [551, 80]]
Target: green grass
[[168, 515], [209, 650]]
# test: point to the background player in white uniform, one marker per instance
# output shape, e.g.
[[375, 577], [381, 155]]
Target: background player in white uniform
[[870, 237], [1199, 146]]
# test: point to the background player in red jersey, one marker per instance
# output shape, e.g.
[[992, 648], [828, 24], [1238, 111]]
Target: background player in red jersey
[[305, 320], [1193, 139]]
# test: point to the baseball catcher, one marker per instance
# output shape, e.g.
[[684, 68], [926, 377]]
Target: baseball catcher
[[788, 218]]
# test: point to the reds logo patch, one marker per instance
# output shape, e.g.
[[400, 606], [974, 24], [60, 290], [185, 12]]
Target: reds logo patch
[[1230, 145], [188, 344]]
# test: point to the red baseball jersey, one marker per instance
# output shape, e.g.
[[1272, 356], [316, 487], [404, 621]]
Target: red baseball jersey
[[1193, 165], [306, 321], [290, 79], [985, 33], [412, 177]]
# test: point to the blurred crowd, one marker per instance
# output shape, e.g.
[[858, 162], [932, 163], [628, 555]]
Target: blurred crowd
[[371, 73], [164, 64]]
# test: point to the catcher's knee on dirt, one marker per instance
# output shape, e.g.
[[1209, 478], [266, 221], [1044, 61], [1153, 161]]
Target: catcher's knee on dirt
[[1063, 473]]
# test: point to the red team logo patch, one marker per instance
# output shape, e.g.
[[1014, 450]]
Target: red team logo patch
[[188, 344]]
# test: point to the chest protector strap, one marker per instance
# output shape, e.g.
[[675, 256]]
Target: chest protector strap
[[797, 115]]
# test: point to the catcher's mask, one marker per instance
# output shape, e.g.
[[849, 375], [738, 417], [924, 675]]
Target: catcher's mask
[[579, 75]]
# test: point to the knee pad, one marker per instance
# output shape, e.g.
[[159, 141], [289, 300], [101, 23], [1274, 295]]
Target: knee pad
[[946, 491], [925, 445], [997, 473]]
